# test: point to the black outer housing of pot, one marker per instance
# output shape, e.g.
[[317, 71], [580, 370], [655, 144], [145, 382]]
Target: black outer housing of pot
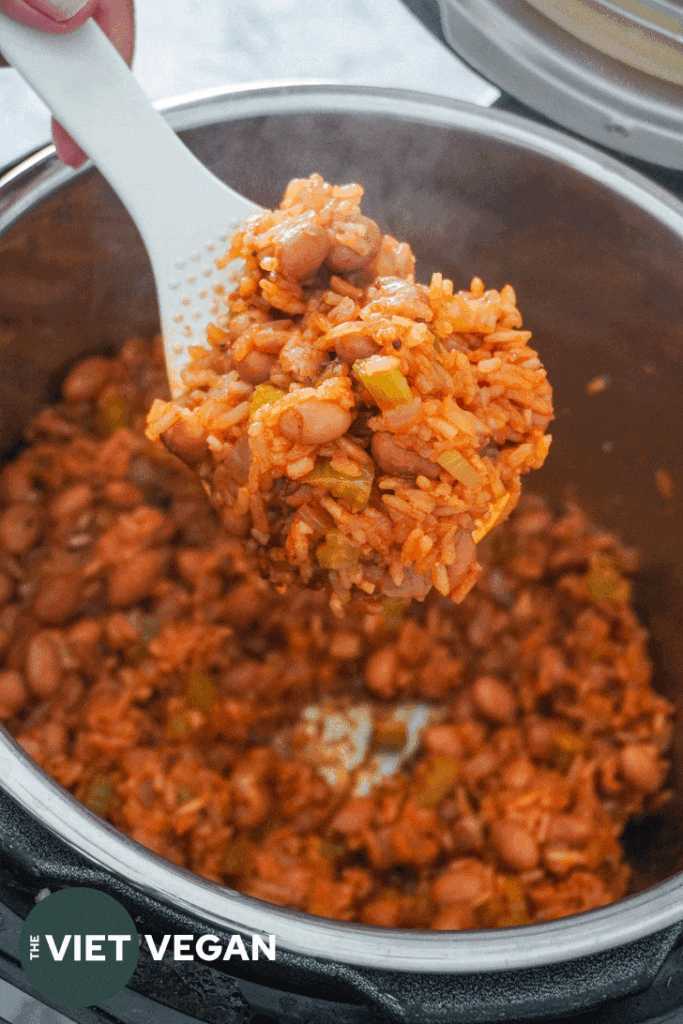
[[305, 990], [631, 983]]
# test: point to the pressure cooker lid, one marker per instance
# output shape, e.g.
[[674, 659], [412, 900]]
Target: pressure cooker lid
[[609, 70]]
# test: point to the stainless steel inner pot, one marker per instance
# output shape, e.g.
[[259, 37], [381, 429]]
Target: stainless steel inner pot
[[595, 253]]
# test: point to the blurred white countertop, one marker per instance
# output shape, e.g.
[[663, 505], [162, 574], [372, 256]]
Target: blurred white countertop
[[186, 45]]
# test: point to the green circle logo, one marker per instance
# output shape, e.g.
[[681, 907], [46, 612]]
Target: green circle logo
[[78, 947]]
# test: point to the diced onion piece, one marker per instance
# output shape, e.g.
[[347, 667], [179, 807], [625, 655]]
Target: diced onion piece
[[495, 514], [355, 490], [384, 381], [393, 611], [264, 394], [458, 466], [337, 552]]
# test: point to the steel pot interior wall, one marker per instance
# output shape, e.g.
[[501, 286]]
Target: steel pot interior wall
[[597, 271]]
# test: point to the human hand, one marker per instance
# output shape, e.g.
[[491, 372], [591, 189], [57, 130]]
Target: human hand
[[115, 18]]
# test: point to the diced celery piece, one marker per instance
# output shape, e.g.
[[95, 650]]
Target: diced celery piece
[[355, 490], [604, 582], [100, 793], [390, 735], [571, 742], [264, 394], [183, 794], [201, 690], [179, 726], [436, 780], [393, 611], [237, 854], [115, 413], [458, 466], [149, 627], [337, 552], [332, 851], [567, 746], [389, 388]]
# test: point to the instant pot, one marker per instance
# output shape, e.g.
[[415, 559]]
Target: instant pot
[[595, 253]]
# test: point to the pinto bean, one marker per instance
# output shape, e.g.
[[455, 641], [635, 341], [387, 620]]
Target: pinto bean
[[380, 671], [6, 588], [467, 835], [483, 763], [467, 880], [255, 367], [9, 616], [457, 917], [239, 460], [354, 816], [72, 690], [518, 773], [341, 259], [383, 912], [539, 739], [465, 556], [87, 379], [17, 482], [134, 580], [193, 564], [123, 494], [187, 441], [642, 767], [442, 739], [572, 829], [397, 461], [57, 597], [494, 700], [52, 737], [355, 346], [43, 664], [244, 603], [315, 422], [414, 584], [302, 249], [21, 527], [71, 502], [13, 693], [84, 638], [516, 848]]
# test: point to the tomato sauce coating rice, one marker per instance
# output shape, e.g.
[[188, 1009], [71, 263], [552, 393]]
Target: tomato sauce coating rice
[[361, 430], [421, 765]]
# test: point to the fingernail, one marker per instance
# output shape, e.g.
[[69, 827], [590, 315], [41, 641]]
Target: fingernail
[[59, 10]]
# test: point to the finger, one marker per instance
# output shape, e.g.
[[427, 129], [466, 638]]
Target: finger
[[69, 152], [116, 19]]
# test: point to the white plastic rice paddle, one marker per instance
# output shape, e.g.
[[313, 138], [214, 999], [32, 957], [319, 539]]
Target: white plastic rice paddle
[[183, 212]]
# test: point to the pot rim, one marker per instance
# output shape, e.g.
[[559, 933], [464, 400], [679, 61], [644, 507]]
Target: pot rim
[[625, 921]]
